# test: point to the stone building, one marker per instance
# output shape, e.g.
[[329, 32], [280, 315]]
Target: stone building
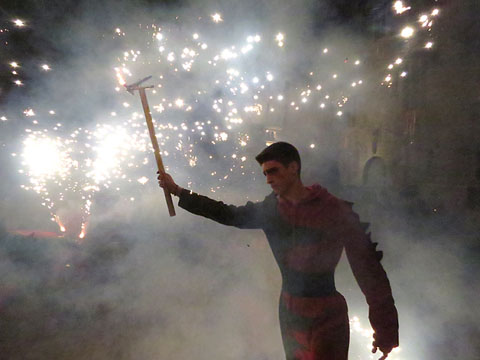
[[420, 135]]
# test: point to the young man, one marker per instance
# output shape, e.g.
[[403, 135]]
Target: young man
[[307, 229]]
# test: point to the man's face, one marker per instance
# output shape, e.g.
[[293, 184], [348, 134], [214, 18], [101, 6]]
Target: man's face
[[280, 177]]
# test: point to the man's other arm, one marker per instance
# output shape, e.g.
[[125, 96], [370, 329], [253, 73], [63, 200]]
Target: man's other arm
[[364, 260]]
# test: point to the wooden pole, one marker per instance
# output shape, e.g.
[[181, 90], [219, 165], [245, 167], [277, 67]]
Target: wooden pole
[[156, 148]]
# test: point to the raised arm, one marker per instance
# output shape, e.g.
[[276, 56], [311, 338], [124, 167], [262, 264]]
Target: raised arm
[[249, 216]]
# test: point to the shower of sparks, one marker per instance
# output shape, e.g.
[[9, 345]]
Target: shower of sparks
[[190, 116], [425, 23]]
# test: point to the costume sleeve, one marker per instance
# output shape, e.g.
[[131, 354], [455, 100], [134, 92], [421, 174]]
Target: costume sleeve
[[249, 216], [364, 260]]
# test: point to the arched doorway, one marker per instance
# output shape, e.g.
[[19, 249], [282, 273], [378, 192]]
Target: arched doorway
[[375, 173]]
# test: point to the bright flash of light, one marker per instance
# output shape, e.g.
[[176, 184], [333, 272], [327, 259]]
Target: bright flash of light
[[435, 12], [428, 45], [143, 180], [407, 32], [46, 67], [18, 82], [45, 158], [14, 64], [217, 18], [399, 7], [19, 23], [114, 145]]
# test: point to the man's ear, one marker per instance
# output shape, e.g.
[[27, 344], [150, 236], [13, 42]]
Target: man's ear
[[293, 167]]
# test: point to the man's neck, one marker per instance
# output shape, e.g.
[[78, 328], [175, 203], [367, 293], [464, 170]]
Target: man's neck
[[296, 193]]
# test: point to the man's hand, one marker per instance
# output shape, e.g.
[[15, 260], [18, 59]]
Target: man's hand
[[166, 182], [384, 349]]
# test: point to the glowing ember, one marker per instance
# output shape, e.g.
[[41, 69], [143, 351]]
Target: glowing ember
[[217, 17], [399, 7], [19, 23], [407, 32]]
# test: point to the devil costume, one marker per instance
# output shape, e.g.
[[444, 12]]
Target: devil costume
[[307, 240]]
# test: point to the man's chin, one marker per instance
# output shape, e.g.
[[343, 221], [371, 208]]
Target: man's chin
[[276, 190]]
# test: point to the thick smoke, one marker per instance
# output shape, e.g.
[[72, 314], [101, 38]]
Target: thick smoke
[[146, 286]]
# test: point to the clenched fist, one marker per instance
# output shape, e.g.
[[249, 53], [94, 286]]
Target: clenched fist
[[166, 182]]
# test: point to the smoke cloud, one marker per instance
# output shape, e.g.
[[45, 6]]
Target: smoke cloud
[[142, 285]]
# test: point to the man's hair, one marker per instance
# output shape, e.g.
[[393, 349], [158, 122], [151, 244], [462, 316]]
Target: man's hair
[[282, 152]]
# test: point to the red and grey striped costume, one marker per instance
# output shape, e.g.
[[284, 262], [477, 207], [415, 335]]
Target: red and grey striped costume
[[307, 240]]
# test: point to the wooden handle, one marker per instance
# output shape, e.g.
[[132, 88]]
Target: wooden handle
[[156, 148]]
